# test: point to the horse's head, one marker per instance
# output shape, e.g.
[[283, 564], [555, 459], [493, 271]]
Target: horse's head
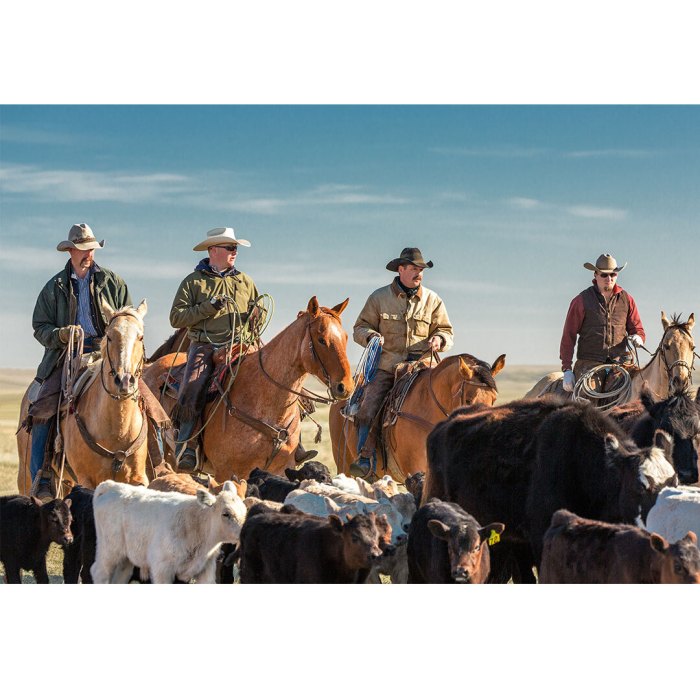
[[471, 380], [677, 350], [325, 355], [122, 348]]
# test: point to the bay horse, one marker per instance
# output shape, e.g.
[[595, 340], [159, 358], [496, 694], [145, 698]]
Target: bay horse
[[109, 409], [459, 380], [668, 371], [258, 422]]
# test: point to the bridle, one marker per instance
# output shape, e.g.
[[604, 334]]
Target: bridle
[[660, 350], [306, 393], [134, 394]]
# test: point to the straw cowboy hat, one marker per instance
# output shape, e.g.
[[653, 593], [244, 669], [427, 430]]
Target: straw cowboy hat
[[604, 263], [409, 256], [221, 236], [80, 237]]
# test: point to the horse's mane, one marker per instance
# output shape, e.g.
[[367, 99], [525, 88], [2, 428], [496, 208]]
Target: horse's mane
[[677, 323], [481, 369]]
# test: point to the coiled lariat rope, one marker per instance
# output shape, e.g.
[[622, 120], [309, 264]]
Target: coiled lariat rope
[[585, 392]]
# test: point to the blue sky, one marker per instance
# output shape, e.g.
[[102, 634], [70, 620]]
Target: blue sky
[[508, 202]]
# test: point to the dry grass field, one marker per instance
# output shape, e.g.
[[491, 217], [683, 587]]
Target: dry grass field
[[513, 382]]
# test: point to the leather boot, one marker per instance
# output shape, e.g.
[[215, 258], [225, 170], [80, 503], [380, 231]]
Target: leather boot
[[301, 455], [187, 461]]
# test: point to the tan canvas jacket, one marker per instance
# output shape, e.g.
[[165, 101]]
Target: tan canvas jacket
[[406, 324], [192, 307]]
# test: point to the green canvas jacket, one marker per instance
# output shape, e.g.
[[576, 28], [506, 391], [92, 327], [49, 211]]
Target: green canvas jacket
[[192, 308], [406, 324], [57, 307]]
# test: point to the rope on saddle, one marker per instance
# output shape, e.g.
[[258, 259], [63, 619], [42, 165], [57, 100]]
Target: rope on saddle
[[621, 391], [364, 374]]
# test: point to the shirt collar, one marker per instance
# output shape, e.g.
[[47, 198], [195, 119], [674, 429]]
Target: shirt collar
[[396, 288]]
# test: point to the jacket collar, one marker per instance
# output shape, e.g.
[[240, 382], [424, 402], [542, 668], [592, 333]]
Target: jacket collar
[[396, 288], [204, 266]]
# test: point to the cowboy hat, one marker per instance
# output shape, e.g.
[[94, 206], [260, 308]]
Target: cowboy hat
[[80, 237], [604, 263], [409, 256], [221, 236]]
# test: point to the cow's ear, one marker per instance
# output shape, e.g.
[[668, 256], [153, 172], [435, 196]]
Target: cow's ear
[[291, 474], [612, 444], [36, 501], [494, 530], [68, 503], [339, 308], [312, 308], [229, 486], [438, 529], [664, 442], [691, 537], [335, 522], [498, 365], [205, 498], [658, 543], [331, 505]]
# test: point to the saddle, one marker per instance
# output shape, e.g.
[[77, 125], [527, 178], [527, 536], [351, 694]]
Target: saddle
[[404, 375], [223, 360]]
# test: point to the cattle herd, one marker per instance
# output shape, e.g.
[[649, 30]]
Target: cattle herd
[[540, 485]]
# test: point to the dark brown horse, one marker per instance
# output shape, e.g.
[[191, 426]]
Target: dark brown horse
[[258, 424], [456, 381]]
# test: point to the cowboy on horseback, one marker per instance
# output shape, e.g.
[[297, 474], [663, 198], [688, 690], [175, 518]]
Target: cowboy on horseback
[[410, 320], [604, 317], [70, 300]]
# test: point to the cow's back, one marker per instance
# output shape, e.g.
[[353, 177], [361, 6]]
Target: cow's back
[[676, 511]]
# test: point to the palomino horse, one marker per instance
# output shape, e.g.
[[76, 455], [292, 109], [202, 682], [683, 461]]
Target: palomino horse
[[258, 423], [109, 411], [668, 371], [456, 381]]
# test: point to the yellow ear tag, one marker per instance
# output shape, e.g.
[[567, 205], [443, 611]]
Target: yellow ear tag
[[494, 538]]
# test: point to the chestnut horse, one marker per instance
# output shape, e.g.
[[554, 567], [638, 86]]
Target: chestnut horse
[[668, 371], [259, 423], [109, 410], [456, 381]]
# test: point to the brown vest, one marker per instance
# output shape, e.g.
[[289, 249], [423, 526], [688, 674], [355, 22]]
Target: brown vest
[[604, 327]]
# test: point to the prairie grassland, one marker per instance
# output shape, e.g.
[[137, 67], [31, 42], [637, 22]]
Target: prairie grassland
[[513, 382]]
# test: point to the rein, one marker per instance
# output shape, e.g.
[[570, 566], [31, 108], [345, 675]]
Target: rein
[[678, 363]]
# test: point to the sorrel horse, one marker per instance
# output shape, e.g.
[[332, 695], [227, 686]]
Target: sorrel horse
[[668, 371], [109, 410], [258, 423], [456, 381]]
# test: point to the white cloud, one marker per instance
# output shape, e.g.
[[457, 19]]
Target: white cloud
[[525, 203], [612, 153], [593, 212]]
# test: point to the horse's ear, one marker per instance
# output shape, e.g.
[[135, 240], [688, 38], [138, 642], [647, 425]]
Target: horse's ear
[[107, 310], [312, 308], [498, 365], [142, 309], [464, 369], [339, 308], [690, 322], [666, 323]]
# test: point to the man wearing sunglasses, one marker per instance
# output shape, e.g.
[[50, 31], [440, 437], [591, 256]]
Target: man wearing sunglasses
[[206, 304], [603, 316]]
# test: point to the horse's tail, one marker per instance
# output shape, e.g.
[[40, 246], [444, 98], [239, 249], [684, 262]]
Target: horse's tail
[[177, 342]]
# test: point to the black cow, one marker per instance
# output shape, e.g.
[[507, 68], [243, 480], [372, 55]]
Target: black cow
[[291, 547], [27, 529], [414, 485], [271, 487], [520, 462], [311, 470], [79, 556], [678, 415], [446, 545]]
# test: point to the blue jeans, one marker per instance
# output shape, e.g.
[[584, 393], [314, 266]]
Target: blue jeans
[[40, 436]]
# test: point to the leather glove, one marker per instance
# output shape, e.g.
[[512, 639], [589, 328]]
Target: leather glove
[[636, 340], [569, 381], [65, 333], [378, 335], [435, 343], [217, 302]]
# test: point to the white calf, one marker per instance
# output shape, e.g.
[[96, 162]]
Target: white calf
[[675, 513], [167, 535]]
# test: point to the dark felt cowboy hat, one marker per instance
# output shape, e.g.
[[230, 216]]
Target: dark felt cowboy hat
[[80, 237], [604, 263], [409, 256]]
